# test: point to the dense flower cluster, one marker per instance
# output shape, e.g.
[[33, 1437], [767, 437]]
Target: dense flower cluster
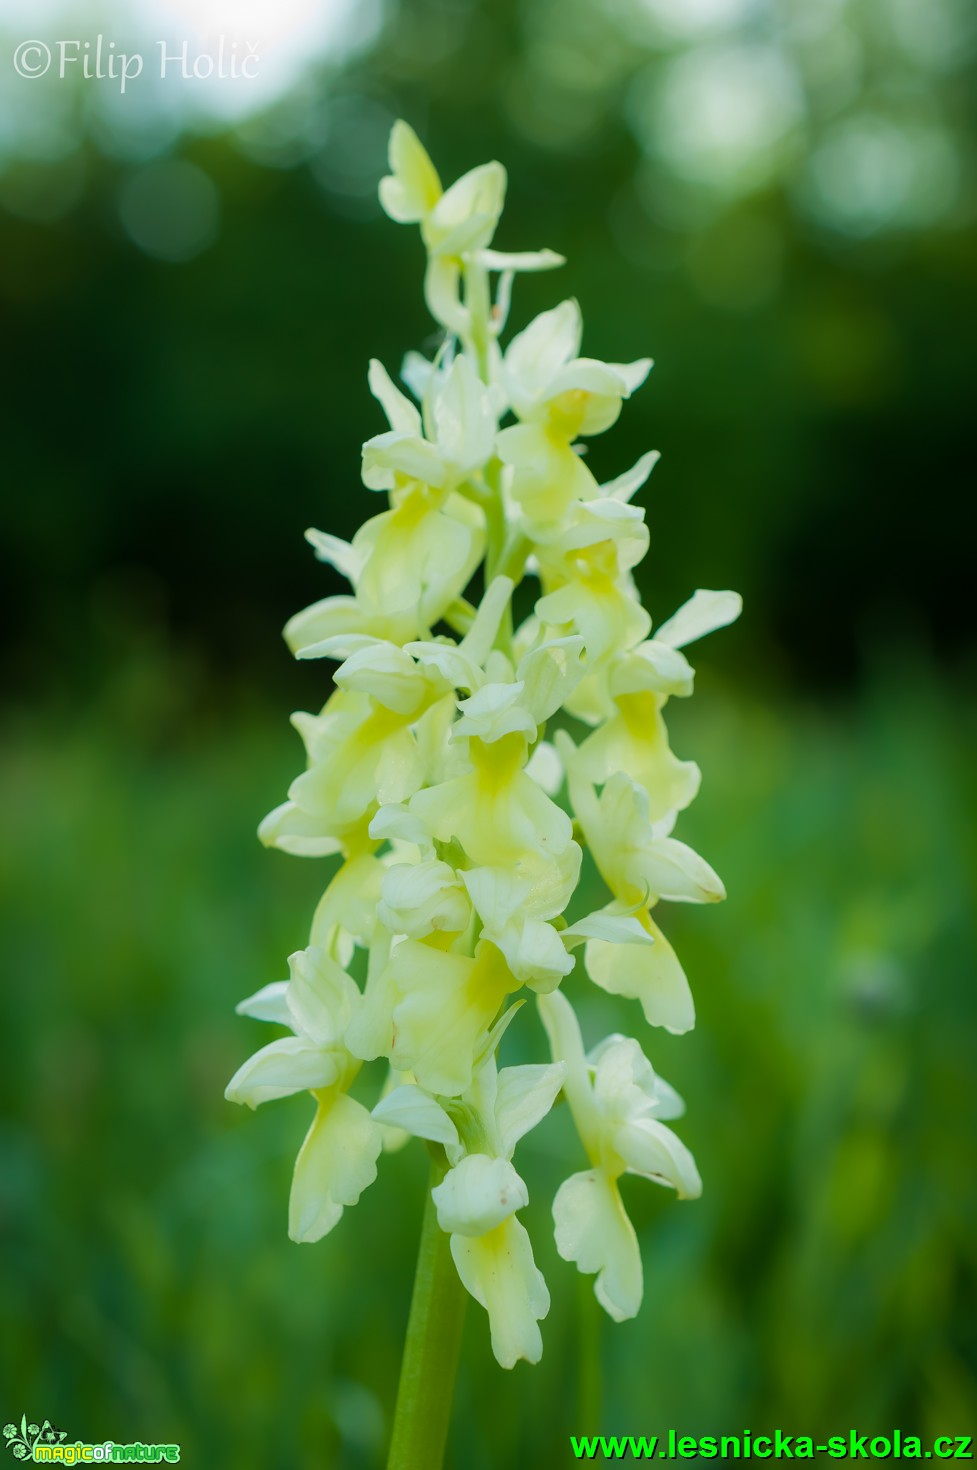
[[429, 775]]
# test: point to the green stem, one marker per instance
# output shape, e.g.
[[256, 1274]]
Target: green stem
[[495, 539], [512, 562], [427, 1374], [500, 548], [479, 306]]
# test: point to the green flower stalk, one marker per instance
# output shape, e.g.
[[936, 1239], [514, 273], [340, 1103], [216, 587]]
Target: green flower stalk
[[429, 774]]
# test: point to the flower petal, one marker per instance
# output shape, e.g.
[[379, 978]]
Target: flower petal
[[395, 453], [566, 1045], [336, 1163], [465, 216], [628, 484], [411, 1108], [550, 673], [335, 552], [478, 1194], [652, 665], [524, 1096], [545, 768], [402, 415], [296, 831], [267, 1004], [421, 897], [412, 188], [519, 260], [291, 1064], [499, 1271], [448, 1004], [536, 354], [703, 613], [648, 973], [655, 1152], [609, 925], [593, 1230], [672, 870], [320, 996], [464, 418]]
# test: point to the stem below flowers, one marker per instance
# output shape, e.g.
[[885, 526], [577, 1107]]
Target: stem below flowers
[[430, 1363]]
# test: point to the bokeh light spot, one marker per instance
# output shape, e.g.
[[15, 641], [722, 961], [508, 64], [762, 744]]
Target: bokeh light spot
[[722, 115], [170, 210]]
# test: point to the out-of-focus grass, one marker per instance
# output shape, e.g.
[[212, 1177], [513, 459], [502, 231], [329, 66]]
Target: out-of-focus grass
[[826, 1278]]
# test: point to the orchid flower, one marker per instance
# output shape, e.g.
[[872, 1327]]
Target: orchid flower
[[442, 780]]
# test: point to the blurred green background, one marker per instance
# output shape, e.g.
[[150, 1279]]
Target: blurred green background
[[774, 198]]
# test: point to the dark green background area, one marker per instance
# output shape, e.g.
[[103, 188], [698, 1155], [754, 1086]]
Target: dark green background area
[[169, 431]]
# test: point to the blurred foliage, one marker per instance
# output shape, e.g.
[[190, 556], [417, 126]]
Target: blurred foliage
[[776, 199], [827, 1278]]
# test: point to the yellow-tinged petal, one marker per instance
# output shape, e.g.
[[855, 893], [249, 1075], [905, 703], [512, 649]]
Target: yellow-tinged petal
[[635, 740], [593, 1230], [267, 1004], [291, 1064], [566, 1045], [628, 484], [537, 353], [703, 613], [648, 973], [515, 905], [320, 996], [412, 188], [465, 217], [635, 862], [376, 762], [478, 1194], [350, 901], [524, 1095], [421, 897], [414, 1111], [547, 476], [496, 811], [298, 832], [549, 674], [519, 260], [652, 665], [650, 1149], [402, 415], [370, 1033], [336, 1163], [605, 613], [498, 1270], [418, 558], [448, 1002]]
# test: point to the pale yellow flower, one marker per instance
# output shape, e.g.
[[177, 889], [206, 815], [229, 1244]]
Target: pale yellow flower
[[618, 1104], [337, 1161], [457, 224], [558, 397], [479, 1196], [429, 777]]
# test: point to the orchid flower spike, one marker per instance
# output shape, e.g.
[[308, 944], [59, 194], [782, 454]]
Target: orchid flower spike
[[457, 828]]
